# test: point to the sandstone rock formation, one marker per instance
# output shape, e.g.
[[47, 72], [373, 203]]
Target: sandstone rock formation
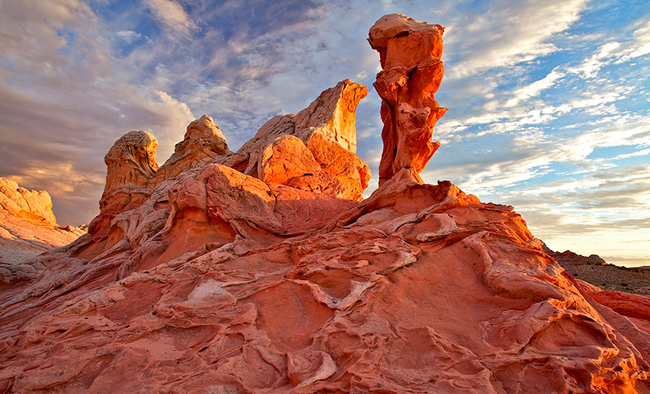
[[409, 52], [203, 143], [27, 226], [26, 204], [420, 287], [570, 258], [131, 162], [241, 275], [320, 156]]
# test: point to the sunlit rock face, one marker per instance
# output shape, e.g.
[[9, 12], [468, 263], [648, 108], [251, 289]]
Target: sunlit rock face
[[26, 204], [257, 272], [409, 52], [27, 228], [203, 143], [131, 162], [321, 155]]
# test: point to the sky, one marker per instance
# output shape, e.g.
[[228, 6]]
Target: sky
[[549, 100]]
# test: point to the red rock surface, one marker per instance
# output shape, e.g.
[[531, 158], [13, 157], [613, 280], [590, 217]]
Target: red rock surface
[[326, 129], [409, 52], [220, 281], [131, 162], [203, 143], [27, 228]]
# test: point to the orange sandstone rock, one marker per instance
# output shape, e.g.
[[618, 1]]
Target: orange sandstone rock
[[420, 288], [240, 275], [32, 205], [288, 161], [409, 52], [131, 162], [27, 228], [327, 130], [203, 143]]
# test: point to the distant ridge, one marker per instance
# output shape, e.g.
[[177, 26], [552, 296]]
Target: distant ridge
[[27, 224]]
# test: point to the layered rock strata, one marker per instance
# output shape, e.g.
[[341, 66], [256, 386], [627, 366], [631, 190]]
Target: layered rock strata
[[409, 52], [222, 282], [27, 226], [131, 161], [420, 288]]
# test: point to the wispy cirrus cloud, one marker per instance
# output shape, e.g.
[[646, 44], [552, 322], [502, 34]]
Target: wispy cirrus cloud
[[172, 15], [507, 33], [535, 88], [640, 46], [605, 212]]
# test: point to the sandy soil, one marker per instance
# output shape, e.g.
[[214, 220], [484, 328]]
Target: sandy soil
[[612, 277]]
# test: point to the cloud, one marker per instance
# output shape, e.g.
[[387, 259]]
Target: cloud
[[535, 88], [62, 106], [640, 46], [526, 156], [129, 36], [507, 34], [644, 152], [172, 15], [590, 67], [538, 92], [591, 198]]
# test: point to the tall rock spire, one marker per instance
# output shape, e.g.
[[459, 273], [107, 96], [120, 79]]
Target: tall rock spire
[[409, 52]]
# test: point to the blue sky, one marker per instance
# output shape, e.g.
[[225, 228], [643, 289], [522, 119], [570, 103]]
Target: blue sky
[[549, 100]]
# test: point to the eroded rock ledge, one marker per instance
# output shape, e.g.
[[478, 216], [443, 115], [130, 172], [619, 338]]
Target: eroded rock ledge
[[260, 271]]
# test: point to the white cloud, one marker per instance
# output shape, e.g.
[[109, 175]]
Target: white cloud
[[644, 152], [641, 44], [62, 105], [128, 35], [507, 35], [172, 15], [605, 213], [590, 67], [535, 88], [513, 117]]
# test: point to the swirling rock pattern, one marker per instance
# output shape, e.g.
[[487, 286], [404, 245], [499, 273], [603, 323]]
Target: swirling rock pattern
[[236, 277], [419, 288]]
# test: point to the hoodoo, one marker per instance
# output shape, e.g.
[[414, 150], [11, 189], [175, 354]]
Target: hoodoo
[[264, 271], [409, 51]]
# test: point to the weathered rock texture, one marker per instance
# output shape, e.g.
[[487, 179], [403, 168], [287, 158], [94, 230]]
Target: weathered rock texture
[[131, 162], [409, 52], [222, 281], [27, 227], [203, 143], [313, 150], [420, 288], [32, 205]]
